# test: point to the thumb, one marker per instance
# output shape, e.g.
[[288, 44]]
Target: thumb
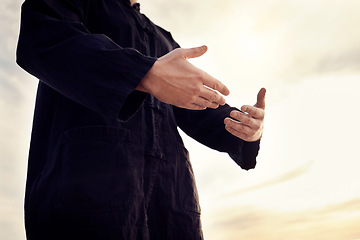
[[260, 103], [194, 52]]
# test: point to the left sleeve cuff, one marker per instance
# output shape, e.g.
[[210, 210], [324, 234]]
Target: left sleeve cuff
[[246, 156]]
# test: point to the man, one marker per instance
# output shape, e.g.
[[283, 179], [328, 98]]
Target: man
[[106, 160]]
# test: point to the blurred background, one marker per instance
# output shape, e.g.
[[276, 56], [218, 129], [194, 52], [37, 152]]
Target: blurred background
[[306, 53]]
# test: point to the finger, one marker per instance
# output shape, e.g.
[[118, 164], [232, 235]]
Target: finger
[[194, 52], [215, 84], [207, 79], [200, 101], [246, 119], [255, 112], [212, 96], [196, 107], [238, 128], [236, 133], [260, 103], [191, 106]]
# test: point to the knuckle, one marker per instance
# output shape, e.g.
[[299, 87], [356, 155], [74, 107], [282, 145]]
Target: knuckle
[[217, 86], [193, 98], [250, 110], [213, 96], [202, 102], [242, 128], [245, 130], [239, 116], [200, 75], [255, 127], [235, 114], [247, 120], [258, 126], [195, 89]]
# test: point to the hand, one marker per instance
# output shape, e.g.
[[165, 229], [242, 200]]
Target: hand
[[250, 124], [174, 80]]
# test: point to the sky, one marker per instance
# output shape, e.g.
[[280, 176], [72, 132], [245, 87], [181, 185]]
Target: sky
[[306, 54]]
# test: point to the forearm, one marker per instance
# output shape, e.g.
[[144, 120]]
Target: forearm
[[207, 127], [90, 69]]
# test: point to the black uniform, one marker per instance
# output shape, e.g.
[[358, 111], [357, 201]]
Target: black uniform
[[107, 161]]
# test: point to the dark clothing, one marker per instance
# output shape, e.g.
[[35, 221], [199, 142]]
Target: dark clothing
[[107, 161]]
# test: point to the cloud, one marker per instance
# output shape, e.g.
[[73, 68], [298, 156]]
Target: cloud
[[346, 61], [276, 180], [17, 91], [11, 221], [257, 40], [13, 87], [337, 221], [9, 25], [322, 39]]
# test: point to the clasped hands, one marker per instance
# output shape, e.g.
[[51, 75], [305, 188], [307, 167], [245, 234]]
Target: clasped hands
[[174, 80]]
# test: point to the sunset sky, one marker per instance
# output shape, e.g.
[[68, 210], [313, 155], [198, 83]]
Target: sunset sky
[[306, 53]]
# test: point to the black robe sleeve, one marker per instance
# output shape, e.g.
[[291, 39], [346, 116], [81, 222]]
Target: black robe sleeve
[[55, 46], [207, 127]]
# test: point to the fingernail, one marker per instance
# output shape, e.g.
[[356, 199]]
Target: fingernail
[[204, 47]]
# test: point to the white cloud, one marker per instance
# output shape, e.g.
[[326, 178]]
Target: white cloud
[[338, 221], [266, 40]]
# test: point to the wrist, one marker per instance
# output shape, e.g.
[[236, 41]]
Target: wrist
[[148, 84]]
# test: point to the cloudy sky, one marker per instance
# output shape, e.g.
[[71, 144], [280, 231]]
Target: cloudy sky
[[306, 53]]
